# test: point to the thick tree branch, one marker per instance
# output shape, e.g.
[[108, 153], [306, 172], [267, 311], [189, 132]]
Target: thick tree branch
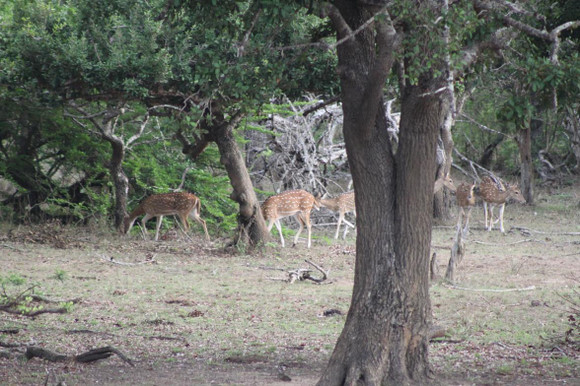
[[552, 36], [387, 41], [344, 32]]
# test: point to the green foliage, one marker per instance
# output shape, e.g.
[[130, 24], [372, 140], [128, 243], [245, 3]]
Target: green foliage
[[60, 274], [86, 45], [516, 112], [22, 302], [12, 279]]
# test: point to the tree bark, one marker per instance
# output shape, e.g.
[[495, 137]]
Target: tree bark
[[527, 168], [386, 333], [485, 159], [442, 200], [251, 225], [120, 179]]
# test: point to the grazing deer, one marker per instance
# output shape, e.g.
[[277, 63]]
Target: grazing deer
[[494, 193], [465, 197], [342, 204], [182, 204], [444, 181], [297, 203]]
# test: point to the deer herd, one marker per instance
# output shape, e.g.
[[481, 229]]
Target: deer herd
[[299, 203]]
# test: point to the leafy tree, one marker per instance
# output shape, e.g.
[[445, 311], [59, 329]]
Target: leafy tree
[[238, 56], [48, 160]]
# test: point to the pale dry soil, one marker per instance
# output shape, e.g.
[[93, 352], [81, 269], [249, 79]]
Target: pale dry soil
[[187, 312]]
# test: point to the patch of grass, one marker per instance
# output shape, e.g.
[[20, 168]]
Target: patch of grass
[[60, 274], [196, 306], [505, 369]]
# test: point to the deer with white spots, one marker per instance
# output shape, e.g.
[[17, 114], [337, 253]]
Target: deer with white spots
[[446, 181], [341, 204], [298, 203], [465, 197], [182, 204], [495, 193]]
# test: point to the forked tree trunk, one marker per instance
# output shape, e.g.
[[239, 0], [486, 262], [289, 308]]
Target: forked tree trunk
[[386, 333], [251, 225]]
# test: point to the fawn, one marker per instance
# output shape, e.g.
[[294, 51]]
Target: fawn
[[342, 204]]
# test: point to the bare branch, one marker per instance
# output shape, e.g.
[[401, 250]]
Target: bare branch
[[320, 105], [242, 45], [137, 135]]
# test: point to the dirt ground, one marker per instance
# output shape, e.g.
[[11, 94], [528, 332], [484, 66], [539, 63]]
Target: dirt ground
[[187, 312]]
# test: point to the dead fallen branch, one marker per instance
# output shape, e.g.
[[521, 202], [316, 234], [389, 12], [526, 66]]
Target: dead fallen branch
[[11, 247], [40, 298], [21, 304], [87, 357], [504, 244], [531, 288], [302, 274], [528, 230], [150, 260]]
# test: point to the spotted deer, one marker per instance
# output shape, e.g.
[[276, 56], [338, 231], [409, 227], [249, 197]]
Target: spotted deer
[[341, 204], [465, 197], [298, 203], [494, 193], [444, 181], [182, 204]]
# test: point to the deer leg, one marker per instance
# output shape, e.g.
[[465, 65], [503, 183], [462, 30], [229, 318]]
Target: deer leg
[[460, 216], [340, 218], [308, 228], [491, 222], [144, 227], [501, 209], [159, 221], [184, 223], [195, 216], [485, 213], [346, 225], [466, 226], [129, 227], [300, 218], [279, 227]]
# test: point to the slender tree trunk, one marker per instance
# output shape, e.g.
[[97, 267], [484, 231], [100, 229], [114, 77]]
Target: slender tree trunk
[[485, 159], [527, 168], [120, 180], [251, 225], [442, 200]]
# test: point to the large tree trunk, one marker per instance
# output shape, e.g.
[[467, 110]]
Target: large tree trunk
[[385, 337]]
